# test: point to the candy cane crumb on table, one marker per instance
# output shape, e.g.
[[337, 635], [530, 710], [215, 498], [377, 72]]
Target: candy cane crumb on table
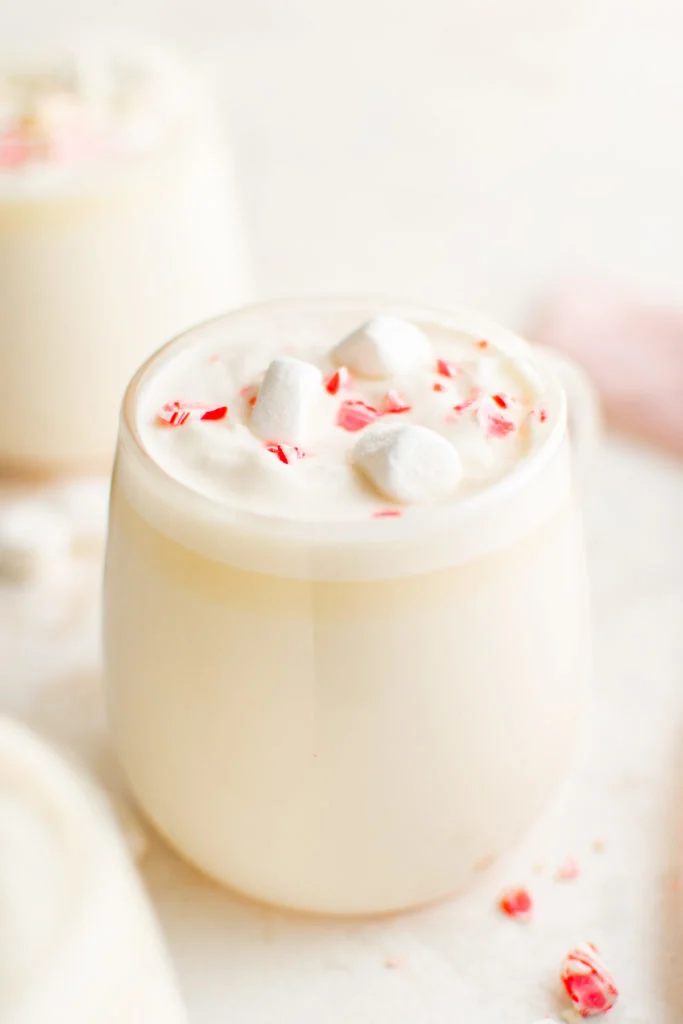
[[587, 981]]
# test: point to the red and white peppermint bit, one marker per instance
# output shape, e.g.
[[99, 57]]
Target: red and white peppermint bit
[[539, 414], [395, 402], [387, 513], [341, 378], [219, 413], [498, 426], [482, 344], [438, 386], [249, 394], [517, 903], [501, 401], [587, 981], [354, 416], [287, 453], [568, 870], [468, 403], [447, 369], [176, 414]]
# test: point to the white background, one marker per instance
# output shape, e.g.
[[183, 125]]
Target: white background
[[441, 150]]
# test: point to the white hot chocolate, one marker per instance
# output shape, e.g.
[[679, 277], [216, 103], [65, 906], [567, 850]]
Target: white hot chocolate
[[78, 942], [345, 628], [118, 228]]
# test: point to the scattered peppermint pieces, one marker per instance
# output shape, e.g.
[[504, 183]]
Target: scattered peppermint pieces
[[395, 402], [517, 903], [177, 414], [447, 369], [287, 453], [341, 378], [387, 513], [470, 402], [587, 981], [438, 386], [498, 426], [353, 416]]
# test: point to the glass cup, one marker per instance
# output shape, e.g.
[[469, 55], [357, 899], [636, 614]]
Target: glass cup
[[78, 942], [102, 261], [331, 717]]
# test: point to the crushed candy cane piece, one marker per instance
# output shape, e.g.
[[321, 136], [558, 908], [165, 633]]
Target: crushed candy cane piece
[[394, 402], [287, 453], [447, 369], [498, 426], [387, 513], [471, 400], [517, 903], [568, 870], [176, 413], [482, 344], [587, 981], [341, 378], [501, 401], [354, 416], [438, 386], [215, 414]]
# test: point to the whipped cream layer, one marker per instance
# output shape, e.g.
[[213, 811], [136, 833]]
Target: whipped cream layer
[[485, 396], [79, 109]]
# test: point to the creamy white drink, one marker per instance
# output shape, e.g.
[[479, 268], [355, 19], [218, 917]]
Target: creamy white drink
[[345, 599], [78, 942], [118, 228]]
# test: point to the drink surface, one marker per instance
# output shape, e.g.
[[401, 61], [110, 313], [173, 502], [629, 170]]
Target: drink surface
[[488, 403]]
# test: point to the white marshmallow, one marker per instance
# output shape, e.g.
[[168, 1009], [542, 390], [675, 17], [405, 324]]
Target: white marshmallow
[[407, 463], [385, 346], [35, 540], [290, 391]]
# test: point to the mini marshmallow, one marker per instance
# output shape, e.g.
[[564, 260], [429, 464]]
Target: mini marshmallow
[[288, 395], [407, 463], [384, 347]]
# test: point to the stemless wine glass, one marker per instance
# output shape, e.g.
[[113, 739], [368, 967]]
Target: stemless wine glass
[[78, 942], [105, 256], [345, 718]]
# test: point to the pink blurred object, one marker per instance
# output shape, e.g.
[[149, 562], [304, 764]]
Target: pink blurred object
[[633, 353]]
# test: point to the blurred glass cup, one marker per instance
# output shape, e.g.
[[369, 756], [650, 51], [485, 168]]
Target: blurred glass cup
[[78, 941], [119, 227]]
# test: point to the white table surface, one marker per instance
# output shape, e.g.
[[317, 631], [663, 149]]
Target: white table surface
[[441, 151], [462, 961]]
